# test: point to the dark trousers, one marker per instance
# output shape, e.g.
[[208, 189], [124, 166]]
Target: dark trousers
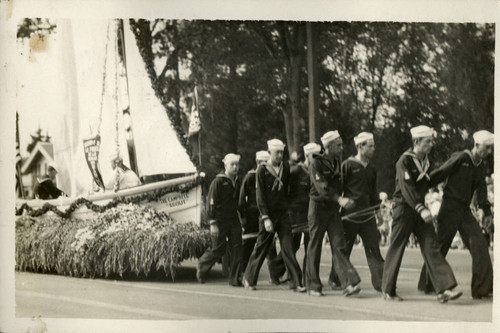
[[324, 217], [229, 234], [277, 265], [282, 227], [252, 226], [252, 218], [454, 217], [406, 221], [370, 236]]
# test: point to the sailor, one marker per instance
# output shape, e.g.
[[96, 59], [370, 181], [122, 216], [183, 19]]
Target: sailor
[[123, 177], [324, 203], [360, 185], [222, 212], [272, 186], [45, 187], [411, 216], [464, 174], [249, 212], [298, 207]]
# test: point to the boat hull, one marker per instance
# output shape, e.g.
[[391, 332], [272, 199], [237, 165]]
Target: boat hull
[[180, 198]]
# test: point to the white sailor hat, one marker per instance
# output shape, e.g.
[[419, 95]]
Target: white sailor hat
[[329, 137], [262, 155], [114, 156], [275, 144], [362, 137], [484, 137], [421, 131], [231, 158], [52, 166], [312, 148]]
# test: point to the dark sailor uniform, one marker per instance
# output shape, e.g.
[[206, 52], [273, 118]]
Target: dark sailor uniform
[[222, 210], [412, 183], [247, 206], [360, 185], [300, 185], [463, 177], [324, 217], [272, 200]]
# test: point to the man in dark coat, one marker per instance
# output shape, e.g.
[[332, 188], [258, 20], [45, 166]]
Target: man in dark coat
[[45, 188], [300, 185], [464, 174], [225, 227], [249, 212], [272, 185], [411, 216], [360, 185], [324, 203]]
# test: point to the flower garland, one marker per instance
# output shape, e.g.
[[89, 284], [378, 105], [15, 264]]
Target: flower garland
[[147, 55], [80, 202]]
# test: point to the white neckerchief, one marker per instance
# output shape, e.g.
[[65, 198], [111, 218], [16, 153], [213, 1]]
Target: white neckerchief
[[422, 166]]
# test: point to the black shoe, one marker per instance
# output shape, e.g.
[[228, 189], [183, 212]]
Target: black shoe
[[315, 293], [247, 285], [392, 298], [334, 286], [484, 297], [351, 290], [200, 278], [299, 289], [238, 284], [448, 295], [427, 292]]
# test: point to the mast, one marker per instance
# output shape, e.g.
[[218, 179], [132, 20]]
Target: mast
[[312, 79], [129, 135]]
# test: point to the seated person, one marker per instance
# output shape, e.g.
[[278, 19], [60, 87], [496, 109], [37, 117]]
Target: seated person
[[126, 177], [45, 187]]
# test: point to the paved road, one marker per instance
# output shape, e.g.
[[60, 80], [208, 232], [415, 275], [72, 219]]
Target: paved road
[[65, 297]]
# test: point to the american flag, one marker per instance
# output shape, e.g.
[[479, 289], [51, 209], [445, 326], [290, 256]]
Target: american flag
[[19, 179], [194, 119]]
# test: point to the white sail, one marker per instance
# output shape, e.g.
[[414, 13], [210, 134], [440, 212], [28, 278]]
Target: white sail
[[158, 148], [75, 83]]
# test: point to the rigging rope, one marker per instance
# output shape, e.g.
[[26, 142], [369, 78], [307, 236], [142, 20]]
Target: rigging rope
[[103, 82]]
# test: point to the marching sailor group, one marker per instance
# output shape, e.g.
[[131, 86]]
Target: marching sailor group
[[327, 195]]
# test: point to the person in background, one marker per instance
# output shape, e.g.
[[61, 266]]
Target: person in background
[[411, 216], [222, 212], [385, 218], [126, 177], [45, 187], [465, 174]]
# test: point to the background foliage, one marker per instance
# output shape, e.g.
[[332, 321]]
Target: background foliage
[[384, 77]]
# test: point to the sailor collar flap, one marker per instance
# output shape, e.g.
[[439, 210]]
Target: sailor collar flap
[[278, 183], [469, 153], [223, 175], [355, 160], [422, 166]]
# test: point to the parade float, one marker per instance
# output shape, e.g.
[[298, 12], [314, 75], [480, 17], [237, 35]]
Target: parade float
[[98, 232]]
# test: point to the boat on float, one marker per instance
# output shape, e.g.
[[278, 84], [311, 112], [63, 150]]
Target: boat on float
[[131, 121]]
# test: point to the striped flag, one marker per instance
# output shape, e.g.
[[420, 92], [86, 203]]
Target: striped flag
[[194, 119], [19, 179]]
